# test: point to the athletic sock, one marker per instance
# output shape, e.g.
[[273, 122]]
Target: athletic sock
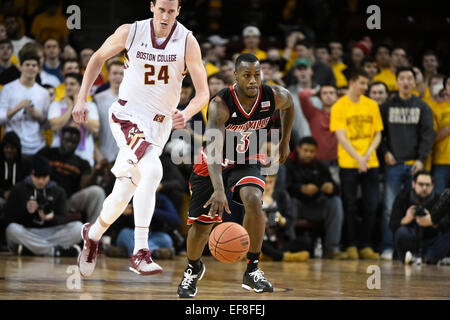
[[96, 231], [196, 265], [140, 239], [252, 261]]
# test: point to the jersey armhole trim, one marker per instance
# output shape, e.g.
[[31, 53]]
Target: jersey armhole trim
[[134, 35]]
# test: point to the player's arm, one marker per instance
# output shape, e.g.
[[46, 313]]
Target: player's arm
[[198, 75], [111, 47], [218, 114], [284, 103]]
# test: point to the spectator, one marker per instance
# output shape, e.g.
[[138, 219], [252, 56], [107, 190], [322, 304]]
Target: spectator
[[85, 56], [415, 231], [433, 92], [357, 57], [289, 54], [383, 56], [69, 53], [227, 72], [37, 214], [75, 176], [68, 66], [51, 92], [60, 115], [14, 168], [280, 242], [315, 194], [44, 77], [319, 122], [24, 105], [3, 34], [52, 63], [215, 84], [160, 243], [8, 71], [270, 73], [357, 122], [323, 74], [379, 92], [50, 24], [322, 52], [441, 146], [278, 63], [304, 74], [15, 34], [251, 38], [218, 49], [405, 118], [336, 53], [430, 64], [369, 65], [107, 146], [388, 74]]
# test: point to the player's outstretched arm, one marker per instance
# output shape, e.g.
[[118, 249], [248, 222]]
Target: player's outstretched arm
[[111, 47], [284, 103], [218, 114], [199, 78]]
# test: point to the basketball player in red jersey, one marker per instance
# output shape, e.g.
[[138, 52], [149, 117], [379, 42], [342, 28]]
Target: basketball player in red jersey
[[157, 52], [244, 110]]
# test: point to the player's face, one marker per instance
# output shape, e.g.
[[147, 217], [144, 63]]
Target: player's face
[[164, 13], [248, 78]]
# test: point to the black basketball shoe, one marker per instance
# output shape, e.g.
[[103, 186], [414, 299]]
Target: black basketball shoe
[[188, 285], [256, 281]]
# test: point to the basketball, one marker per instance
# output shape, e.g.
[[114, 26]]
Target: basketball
[[229, 242]]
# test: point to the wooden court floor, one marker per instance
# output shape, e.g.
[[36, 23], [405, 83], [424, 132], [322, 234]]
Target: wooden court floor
[[24, 278]]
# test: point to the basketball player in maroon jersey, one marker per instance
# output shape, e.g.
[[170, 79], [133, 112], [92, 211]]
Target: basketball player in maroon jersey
[[244, 110]]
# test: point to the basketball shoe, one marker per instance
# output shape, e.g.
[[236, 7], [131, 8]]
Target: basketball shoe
[[256, 281], [88, 256], [188, 285], [142, 263]]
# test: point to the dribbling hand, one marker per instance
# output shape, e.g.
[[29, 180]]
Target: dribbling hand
[[218, 202], [80, 112]]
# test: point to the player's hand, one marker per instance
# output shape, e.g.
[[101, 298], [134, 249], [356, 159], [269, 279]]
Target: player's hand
[[218, 202], [179, 119], [284, 151], [80, 112]]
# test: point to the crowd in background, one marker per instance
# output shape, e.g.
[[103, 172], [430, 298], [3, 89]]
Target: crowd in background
[[370, 146]]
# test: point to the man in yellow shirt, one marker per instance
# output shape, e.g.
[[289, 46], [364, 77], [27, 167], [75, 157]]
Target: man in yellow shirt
[[357, 122], [50, 24], [336, 53], [441, 146], [251, 36], [387, 74]]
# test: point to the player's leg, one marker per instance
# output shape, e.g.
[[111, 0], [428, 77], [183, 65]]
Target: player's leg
[[198, 234], [151, 172], [254, 223]]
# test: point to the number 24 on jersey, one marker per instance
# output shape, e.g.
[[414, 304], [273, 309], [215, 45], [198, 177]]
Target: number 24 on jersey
[[163, 74]]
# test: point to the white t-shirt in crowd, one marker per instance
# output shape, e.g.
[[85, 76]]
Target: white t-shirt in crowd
[[28, 129], [106, 142], [48, 78], [85, 149]]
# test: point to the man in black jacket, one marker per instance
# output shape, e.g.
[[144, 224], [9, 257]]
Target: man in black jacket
[[36, 211], [407, 141], [310, 184], [416, 231]]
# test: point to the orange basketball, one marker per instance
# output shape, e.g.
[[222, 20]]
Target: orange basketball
[[229, 242]]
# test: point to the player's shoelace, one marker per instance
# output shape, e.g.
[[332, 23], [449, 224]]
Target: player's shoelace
[[188, 278], [258, 275], [144, 255]]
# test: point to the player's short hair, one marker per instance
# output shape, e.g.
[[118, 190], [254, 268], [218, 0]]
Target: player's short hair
[[245, 57], [376, 83], [358, 72], [405, 69], [307, 140], [78, 77]]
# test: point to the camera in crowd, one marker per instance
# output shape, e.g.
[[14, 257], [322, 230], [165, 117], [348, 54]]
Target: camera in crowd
[[420, 211], [274, 217]]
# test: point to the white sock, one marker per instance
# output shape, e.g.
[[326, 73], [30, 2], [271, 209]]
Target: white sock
[[113, 206], [140, 239]]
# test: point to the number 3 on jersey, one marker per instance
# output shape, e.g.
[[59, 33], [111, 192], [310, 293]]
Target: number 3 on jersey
[[242, 147], [163, 74]]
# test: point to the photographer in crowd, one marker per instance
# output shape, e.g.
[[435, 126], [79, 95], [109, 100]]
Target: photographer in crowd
[[280, 242], [417, 233], [37, 213]]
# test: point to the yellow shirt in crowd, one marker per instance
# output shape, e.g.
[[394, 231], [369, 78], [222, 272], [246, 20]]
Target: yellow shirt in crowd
[[341, 80], [360, 121], [388, 77], [260, 54], [441, 119]]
